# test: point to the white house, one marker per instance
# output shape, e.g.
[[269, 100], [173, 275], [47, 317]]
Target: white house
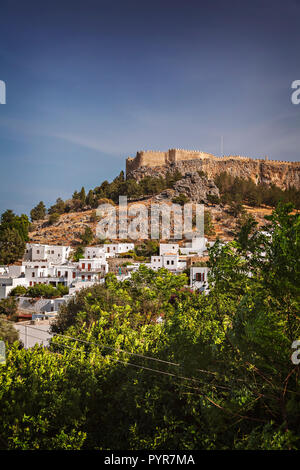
[[51, 253], [172, 262], [90, 269], [198, 278], [116, 248], [197, 246], [168, 248], [91, 252]]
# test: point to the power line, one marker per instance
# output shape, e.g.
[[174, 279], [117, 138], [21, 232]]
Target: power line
[[101, 344]]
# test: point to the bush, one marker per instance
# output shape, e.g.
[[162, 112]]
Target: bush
[[54, 218], [18, 291], [47, 291], [181, 199]]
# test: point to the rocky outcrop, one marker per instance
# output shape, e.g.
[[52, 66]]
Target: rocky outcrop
[[282, 174], [195, 187]]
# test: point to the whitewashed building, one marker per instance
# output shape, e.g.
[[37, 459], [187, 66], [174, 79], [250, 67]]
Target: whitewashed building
[[172, 262], [51, 253], [91, 252], [197, 246], [168, 248], [199, 278], [113, 249]]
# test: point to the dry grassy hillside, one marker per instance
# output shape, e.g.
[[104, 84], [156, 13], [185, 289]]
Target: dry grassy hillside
[[69, 227]]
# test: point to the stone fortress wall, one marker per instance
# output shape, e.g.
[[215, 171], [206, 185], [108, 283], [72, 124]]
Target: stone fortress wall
[[260, 170]]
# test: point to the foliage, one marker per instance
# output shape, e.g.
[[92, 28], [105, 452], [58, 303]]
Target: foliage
[[181, 199], [38, 212], [87, 236], [13, 235], [7, 333], [245, 191], [215, 373], [8, 307], [12, 246], [209, 229], [58, 207], [18, 291], [47, 291], [54, 218]]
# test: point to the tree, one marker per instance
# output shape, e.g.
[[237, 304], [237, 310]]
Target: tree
[[181, 199], [236, 208], [87, 236], [208, 224], [12, 246], [19, 223], [7, 332], [213, 373], [38, 212], [82, 197], [58, 207], [8, 307], [54, 218], [18, 291], [78, 254], [90, 199]]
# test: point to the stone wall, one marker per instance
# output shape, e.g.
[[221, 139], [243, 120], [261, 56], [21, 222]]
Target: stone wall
[[281, 173]]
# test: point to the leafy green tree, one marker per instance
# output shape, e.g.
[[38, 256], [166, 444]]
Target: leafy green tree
[[181, 199], [82, 197], [19, 223], [38, 212], [214, 373], [12, 246], [78, 253], [90, 199], [58, 207], [87, 236], [18, 291]]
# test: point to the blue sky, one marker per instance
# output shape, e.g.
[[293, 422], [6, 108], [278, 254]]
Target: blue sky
[[91, 82]]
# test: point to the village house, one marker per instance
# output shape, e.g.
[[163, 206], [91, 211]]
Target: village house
[[52, 253], [198, 278], [113, 249]]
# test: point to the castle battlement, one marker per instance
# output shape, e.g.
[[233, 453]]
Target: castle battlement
[[259, 169]]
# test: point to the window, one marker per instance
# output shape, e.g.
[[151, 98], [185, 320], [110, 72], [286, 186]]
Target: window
[[58, 273], [83, 265], [66, 273], [74, 275], [33, 275]]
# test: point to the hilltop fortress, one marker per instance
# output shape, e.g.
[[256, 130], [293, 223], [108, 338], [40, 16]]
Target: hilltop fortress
[[260, 170]]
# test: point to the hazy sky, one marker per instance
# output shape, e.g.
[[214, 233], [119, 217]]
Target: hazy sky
[[91, 82]]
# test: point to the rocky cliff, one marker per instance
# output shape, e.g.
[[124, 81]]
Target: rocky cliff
[[281, 173]]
